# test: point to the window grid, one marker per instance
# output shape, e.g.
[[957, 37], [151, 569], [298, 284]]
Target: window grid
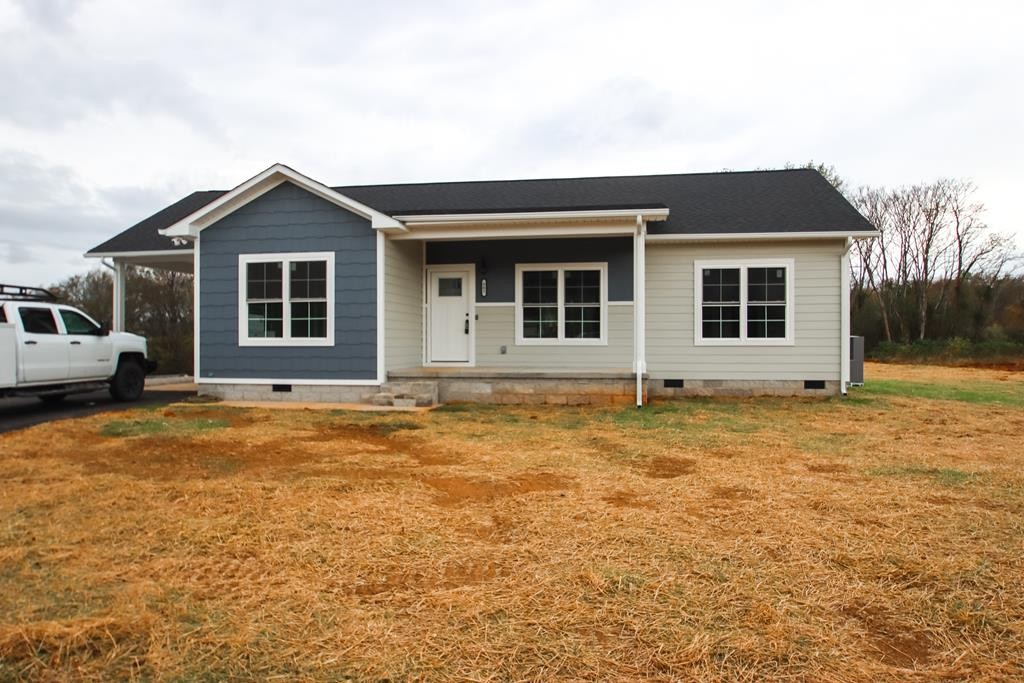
[[562, 303], [741, 303], [279, 309]]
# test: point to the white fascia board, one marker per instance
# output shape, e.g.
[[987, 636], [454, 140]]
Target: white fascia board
[[514, 232], [260, 184], [455, 218], [131, 254], [760, 236]]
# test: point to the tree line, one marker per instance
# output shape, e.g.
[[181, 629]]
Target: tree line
[[937, 272]]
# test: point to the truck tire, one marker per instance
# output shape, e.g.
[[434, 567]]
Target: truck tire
[[53, 398], [129, 381]]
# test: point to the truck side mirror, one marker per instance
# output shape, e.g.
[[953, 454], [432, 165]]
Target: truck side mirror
[[104, 330]]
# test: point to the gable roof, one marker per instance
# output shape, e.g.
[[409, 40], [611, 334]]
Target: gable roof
[[788, 201]]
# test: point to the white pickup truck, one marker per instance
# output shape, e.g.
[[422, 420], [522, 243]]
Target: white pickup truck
[[50, 350]]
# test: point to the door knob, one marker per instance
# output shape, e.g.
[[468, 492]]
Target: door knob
[[467, 326]]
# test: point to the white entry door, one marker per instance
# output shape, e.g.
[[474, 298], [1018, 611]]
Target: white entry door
[[450, 322]]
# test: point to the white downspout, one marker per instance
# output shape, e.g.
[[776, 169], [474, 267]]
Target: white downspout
[[639, 307], [844, 317]]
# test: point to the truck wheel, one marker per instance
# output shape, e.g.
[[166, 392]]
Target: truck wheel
[[53, 398], [128, 381]]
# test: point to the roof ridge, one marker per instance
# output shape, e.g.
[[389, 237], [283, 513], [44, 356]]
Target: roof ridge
[[592, 177]]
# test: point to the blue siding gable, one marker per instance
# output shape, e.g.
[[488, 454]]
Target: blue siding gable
[[289, 219]]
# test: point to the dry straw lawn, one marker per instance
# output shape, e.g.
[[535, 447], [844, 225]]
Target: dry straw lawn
[[877, 538]]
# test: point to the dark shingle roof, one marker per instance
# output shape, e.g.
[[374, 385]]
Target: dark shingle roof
[[798, 200]]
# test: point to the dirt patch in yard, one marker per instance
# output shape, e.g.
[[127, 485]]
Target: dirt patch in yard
[[668, 467], [893, 644]]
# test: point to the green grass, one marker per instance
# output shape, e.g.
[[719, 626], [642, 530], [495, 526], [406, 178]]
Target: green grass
[[941, 475], [989, 393], [148, 427]]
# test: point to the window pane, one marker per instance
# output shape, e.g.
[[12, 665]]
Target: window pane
[[766, 284], [75, 323], [540, 322], [582, 286], [449, 286], [720, 322], [265, 320], [263, 280], [721, 285], [308, 279], [583, 322], [309, 319], [540, 286], [38, 321], [766, 322]]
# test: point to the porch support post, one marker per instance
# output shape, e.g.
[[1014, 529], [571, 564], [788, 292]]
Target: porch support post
[[639, 307], [117, 323]]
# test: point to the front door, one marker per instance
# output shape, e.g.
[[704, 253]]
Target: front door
[[450, 316]]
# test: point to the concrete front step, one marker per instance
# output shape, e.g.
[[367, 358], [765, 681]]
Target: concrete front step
[[408, 394]]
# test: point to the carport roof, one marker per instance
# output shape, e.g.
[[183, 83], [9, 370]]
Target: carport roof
[[732, 203]]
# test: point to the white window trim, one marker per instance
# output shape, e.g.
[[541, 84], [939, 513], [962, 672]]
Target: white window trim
[[285, 258], [743, 265], [561, 340]]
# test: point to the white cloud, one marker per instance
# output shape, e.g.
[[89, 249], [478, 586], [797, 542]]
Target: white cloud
[[139, 103]]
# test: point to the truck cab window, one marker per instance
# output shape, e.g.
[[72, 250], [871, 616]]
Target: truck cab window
[[76, 323], [38, 320]]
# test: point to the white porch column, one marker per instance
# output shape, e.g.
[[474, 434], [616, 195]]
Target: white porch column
[[117, 323], [639, 307]]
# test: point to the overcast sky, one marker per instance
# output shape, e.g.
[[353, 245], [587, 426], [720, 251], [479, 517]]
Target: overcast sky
[[109, 110]]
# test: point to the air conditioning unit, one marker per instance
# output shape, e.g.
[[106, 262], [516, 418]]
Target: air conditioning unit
[[857, 361]]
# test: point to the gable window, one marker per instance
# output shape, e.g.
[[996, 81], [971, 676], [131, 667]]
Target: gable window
[[743, 303], [562, 303], [286, 299]]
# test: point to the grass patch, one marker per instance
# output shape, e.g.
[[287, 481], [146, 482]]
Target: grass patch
[[985, 393], [946, 476], [148, 427]]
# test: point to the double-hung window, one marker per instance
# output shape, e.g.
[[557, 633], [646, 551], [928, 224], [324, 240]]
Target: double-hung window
[[286, 299], [746, 303], [562, 303]]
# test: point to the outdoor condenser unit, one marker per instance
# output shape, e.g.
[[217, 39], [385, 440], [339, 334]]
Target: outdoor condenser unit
[[857, 361]]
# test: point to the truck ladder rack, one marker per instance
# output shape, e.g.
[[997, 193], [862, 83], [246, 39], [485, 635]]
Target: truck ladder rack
[[21, 293]]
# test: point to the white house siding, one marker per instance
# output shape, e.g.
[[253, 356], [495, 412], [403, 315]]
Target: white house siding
[[496, 327], [403, 301], [815, 353]]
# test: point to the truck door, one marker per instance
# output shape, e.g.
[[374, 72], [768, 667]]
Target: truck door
[[88, 352], [43, 351]]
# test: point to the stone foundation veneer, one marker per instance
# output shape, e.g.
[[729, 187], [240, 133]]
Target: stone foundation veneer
[[306, 393], [738, 387], [534, 391]]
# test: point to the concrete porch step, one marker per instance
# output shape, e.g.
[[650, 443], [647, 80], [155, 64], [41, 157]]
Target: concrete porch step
[[406, 394]]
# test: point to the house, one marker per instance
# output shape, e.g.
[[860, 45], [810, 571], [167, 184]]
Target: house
[[573, 290]]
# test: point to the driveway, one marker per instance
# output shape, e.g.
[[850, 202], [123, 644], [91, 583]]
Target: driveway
[[18, 413]]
